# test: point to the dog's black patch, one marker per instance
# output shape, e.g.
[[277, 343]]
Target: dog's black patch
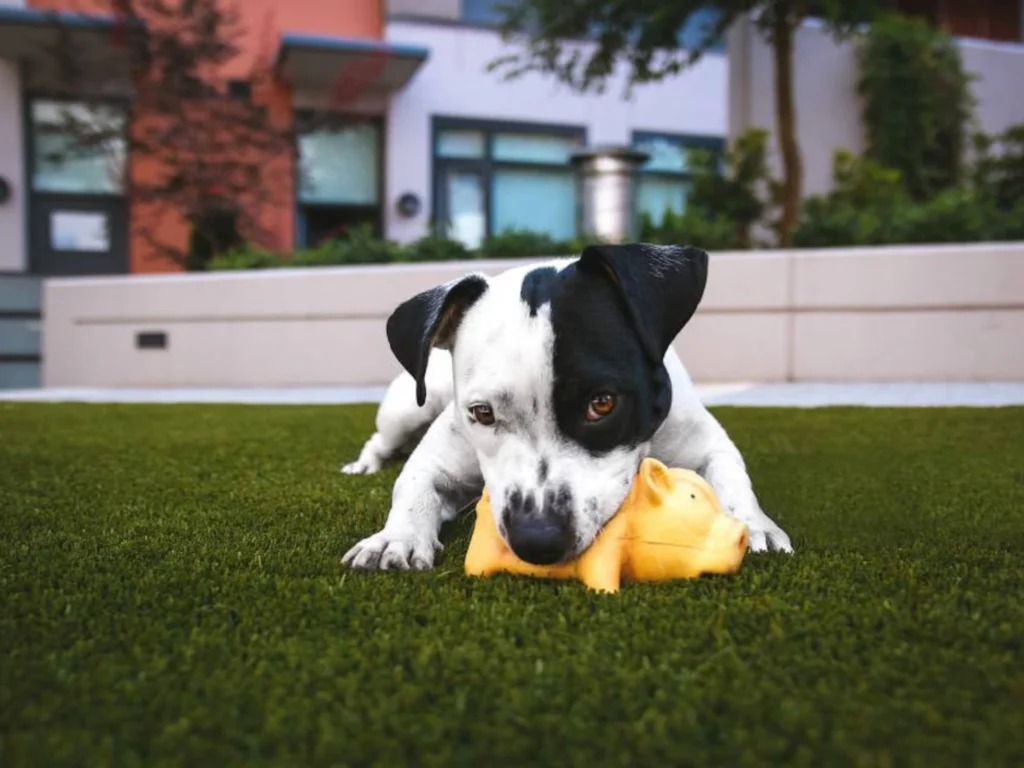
[[542, 472], [536, 290], [600, 314]]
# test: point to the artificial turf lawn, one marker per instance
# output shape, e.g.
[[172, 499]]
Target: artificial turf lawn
[[172, 594]]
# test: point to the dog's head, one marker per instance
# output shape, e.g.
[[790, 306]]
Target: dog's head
[[559, 380]]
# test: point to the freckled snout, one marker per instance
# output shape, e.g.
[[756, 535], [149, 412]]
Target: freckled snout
[[541, 535]]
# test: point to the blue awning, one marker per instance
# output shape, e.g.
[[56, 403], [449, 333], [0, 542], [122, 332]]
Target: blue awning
[[323, 64], [40, 39]]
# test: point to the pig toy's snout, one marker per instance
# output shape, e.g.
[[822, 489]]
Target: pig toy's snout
[[727, 544]]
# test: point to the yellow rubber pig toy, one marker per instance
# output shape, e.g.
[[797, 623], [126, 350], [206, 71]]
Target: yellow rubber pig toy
[[671, 526]]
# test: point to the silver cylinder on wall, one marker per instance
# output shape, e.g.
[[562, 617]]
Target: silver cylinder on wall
[[607, 178]]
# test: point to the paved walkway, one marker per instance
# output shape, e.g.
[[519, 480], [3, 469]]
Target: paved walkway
[[803, 395]]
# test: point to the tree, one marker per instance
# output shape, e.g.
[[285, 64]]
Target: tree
[[213, 144], [644, 36]]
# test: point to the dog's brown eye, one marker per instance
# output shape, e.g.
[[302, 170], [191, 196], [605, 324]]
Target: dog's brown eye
[[482, 414], [600, 407]]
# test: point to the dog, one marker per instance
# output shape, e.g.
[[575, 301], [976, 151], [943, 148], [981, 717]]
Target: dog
[[549, 383]]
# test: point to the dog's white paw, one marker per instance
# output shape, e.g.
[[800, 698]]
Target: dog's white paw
[[362, 467], [772, 539], [765, 534], [392, 551]]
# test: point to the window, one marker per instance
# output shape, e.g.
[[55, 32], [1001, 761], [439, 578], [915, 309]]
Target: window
[[698, 25], [701, 24], [77, 148], [490, 178], [339, 178], [664, 178], [487, 12]]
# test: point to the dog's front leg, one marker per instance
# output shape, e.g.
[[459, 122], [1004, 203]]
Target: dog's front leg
[[698, 441], [441, 476]]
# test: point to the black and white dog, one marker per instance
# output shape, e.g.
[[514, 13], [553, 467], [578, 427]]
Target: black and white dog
[[549, 383]]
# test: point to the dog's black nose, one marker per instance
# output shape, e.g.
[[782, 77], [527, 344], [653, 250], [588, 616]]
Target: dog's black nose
[[539, 540]]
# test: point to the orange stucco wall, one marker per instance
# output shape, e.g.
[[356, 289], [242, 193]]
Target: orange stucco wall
[[263, 22]]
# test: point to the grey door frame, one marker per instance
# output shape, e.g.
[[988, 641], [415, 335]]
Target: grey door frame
[[36, 202]]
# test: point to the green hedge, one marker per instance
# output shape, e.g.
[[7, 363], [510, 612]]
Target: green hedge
[[361, 247], [870, 205]]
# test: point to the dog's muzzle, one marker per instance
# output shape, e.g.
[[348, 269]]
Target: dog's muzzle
[[539, 536]]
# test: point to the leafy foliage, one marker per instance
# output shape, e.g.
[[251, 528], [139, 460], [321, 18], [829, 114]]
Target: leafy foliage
[[999, 166], [729, 195], [917, 103], [869, 205], [717, 233], [436, 248], [516, 243]]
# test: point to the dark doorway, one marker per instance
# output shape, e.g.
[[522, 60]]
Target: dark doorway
[[78, 212]]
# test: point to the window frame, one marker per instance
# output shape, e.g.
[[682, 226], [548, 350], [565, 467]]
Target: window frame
[[375, 212], [122, 105], [487, 165], [688, 140]]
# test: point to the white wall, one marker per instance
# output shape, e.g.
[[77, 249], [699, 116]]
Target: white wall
[[453, 83], [13, 249], [810, 315]]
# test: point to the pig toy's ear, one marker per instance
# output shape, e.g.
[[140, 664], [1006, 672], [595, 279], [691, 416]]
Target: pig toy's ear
[[656, 482]]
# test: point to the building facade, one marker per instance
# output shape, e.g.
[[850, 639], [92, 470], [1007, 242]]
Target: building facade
[[422, 138], [485, 154]]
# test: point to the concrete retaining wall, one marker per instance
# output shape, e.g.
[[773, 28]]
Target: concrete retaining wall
[[949, 313]]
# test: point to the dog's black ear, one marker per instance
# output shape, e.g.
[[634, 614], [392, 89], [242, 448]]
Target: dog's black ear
[[430, 319], [661, 286]]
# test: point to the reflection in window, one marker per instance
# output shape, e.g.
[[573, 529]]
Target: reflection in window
[[539, 201], [534, 148], [77, 148], [467, 216], [339, 178], [698, 27], [664, 178], [492, 178], [461, 144], [483, 11], [79, 231], [340, 165]]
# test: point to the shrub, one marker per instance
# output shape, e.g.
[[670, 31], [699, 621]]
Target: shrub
[[728, 198], [522, 243], [359, 246], [865, 200], [955, 215], [868, 206], [999, 167], [246, 258], [741, 193], [714, 233], [917, 103], [437, 248]]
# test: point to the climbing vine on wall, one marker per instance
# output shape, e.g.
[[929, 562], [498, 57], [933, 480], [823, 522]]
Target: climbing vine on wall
[[917, 103]]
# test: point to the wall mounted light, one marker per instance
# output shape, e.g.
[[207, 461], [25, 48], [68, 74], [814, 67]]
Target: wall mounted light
[[408, 205]]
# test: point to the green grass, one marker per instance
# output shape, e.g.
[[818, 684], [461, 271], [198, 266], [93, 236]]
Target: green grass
[[172, 594]]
